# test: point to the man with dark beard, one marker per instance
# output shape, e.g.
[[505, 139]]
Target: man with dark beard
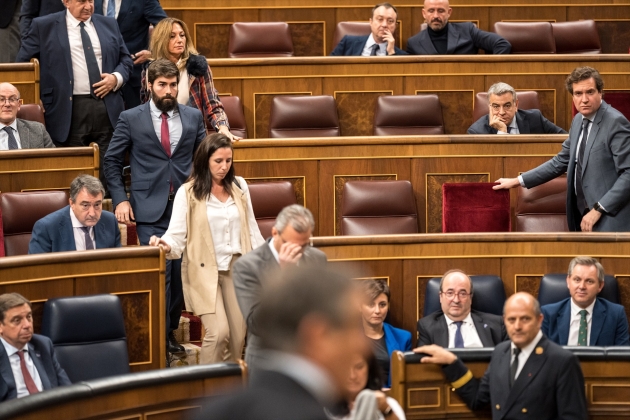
[[161, 138]]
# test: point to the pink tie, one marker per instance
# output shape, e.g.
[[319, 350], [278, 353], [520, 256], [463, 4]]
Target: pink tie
[[28, 379]]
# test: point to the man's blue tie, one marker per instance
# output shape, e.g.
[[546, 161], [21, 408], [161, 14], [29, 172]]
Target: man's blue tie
[[459, 339], [111, 8], [90, 60]]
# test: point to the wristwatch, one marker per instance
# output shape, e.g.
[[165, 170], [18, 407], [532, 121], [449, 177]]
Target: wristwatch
[[387, 411], [598, 207]]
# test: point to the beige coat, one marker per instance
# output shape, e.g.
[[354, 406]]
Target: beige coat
[[200, 274]]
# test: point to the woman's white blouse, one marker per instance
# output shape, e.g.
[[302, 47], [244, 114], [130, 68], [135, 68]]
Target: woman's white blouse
[[224, 222], [183, 91]]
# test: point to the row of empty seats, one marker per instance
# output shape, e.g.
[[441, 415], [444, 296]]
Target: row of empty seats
[[367, 208], [489, 293], [273, 39]]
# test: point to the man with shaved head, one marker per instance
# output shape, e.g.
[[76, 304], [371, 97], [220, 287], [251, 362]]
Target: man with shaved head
[[528, 376], [16, 133], [456, 324]]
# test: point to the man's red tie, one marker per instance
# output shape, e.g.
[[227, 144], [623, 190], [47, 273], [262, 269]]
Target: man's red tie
[[28, 379], [166, 139]]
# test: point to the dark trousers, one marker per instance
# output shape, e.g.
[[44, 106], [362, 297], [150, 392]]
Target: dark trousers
[[174, 294], [90, 123]]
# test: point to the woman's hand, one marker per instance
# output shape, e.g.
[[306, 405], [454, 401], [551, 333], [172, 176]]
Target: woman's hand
[[383, 406], [226, 132], [155, 241]]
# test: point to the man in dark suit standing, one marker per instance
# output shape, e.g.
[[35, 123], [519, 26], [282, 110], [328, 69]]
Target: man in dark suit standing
[[161, 138], [134, 18], [444, 37], [456, 325], [288, 246], [17, 133], [80, 226], [310, 331], [84, 62], [584, 319], [504, 117], [9, 30], [27, 361], [380, 42], [596, 158], [36, 8], [528, 376]]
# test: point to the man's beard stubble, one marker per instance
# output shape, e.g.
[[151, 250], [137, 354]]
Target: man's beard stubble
[[166, 103]]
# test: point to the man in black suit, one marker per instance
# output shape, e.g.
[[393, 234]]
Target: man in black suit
[[310, 329], [504, 117], [528, 377], [288, 246], [36, 8], [380, 42], [27, 361], [456, 325], [443, 37], [9, 30]]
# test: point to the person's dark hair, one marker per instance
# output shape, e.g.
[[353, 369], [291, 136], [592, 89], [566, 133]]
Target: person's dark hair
[[11, 300], [200, 175], [584, 73], [373, 289], [91, 184], [375, 382], [300, 294], [385, 5], [162, 68]]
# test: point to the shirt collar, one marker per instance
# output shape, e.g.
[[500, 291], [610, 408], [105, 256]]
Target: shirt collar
[[13, 125], [467, 320], [576, 309], [371, 41], [528, 349], [273, 250], [306, 373], [10, 349], [72, 21], [513, 123], [157, 112]]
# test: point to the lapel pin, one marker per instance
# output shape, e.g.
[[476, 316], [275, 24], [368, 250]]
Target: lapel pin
[[539, 350], [485, 325]]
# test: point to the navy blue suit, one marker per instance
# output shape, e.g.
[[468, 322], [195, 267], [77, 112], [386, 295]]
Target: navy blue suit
[[529, 121], [134, 18], [463, 38], [54, 233], [48, 42], [36, 8], [609, 325], [354, 45], [41, 351]]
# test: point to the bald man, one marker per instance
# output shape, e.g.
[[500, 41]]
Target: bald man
[[528, 376], [16, 133]]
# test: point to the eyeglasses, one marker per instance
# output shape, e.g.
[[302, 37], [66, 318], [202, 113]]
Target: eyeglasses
[[462, 295], [86, 206], [589, 92], [11, 101], [496, 107]]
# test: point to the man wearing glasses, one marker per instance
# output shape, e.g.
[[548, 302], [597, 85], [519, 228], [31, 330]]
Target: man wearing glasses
[[456, 325], [80, 226], [504, 117], [288, 246], [16, 133], [596, 158]]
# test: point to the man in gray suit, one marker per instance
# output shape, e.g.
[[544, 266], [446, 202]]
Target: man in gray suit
[[288, 246], [596, 157], [16, 133]]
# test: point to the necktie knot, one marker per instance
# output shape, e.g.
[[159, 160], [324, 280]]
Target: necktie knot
[[585, 123], [82, 24], [164, 116], [20, 354], [517, 351], [375, 49], [458, 323], [583, 313]]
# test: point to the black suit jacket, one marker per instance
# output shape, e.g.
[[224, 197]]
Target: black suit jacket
[[550, 385], [463, 38], [432, 329], [7, 10], [36, 8], [529, 121], [270, 396], [42, 353]]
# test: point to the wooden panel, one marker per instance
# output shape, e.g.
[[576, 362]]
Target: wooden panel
[[136, 275], [614, 35], [328, 170], [211, 39], [356, 112], [454, 103]]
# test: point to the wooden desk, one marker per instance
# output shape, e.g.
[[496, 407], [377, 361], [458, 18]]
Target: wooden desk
[[25, 77], [356, 83], [134, 274], [46, 169], [423, 392], [408, 262], [319, 168]]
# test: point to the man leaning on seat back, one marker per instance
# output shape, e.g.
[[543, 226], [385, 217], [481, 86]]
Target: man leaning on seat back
[[380, 42], [585, 319], [504, 117]]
